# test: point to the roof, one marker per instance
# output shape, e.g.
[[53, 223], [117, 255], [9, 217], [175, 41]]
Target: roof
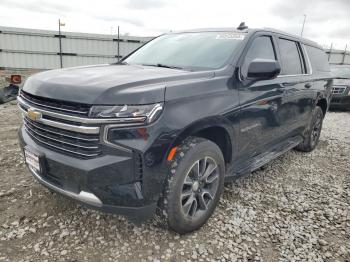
[[252, 31], [338, 65]]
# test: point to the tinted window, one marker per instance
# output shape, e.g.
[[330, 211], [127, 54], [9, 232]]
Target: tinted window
[[261, 48], [318, 59], [291, 63]]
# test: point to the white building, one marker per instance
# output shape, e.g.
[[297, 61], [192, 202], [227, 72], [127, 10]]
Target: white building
[[39, 49]]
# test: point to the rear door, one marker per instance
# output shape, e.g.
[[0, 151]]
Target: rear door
[[296, 85]]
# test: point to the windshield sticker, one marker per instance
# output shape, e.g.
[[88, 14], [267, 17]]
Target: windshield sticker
[[233, 36]]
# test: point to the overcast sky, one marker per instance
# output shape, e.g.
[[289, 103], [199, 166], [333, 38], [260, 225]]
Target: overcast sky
[[327, 20]]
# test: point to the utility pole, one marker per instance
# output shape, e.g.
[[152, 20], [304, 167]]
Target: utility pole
[[302, 29], [118, 44], [60, 39]]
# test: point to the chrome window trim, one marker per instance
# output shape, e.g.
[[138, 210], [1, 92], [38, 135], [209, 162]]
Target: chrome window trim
[[308, 59], [83, 120], [280, 76], [83, 196]]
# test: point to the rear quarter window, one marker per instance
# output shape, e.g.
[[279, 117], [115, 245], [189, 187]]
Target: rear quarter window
[[318, 59]]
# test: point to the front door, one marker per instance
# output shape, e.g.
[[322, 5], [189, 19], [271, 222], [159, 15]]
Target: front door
[[260, 102]]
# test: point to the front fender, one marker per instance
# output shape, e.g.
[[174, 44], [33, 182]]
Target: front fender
[[207, 122]]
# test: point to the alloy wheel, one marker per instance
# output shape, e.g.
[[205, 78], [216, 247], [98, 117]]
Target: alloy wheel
[[316, 130], [200, 187]]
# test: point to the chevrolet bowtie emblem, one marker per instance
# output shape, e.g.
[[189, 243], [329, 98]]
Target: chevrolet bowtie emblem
[[33, 115]]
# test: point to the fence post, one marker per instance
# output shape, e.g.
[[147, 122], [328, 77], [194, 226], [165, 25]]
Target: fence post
[[330, 51], [346, 46], [60, 39], [118, 44]]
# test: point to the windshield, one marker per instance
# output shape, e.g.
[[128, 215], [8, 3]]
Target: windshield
[[192, 51], [341, 72]]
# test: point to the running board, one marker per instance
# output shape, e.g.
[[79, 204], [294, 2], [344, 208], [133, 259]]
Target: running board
[[265, 158]]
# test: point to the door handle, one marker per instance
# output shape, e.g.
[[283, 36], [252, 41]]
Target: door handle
[[289, 84], [308, 85]]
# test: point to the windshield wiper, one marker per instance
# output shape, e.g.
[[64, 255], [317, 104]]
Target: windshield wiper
[[164, 66], [120, 63]]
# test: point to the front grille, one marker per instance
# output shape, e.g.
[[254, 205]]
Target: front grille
[[59, 106], [82, 145], [59, 126], [338, 90]]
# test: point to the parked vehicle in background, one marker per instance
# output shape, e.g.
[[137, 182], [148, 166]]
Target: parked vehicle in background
[[10, 89], [163, 129], [341, 87], [11, 80]]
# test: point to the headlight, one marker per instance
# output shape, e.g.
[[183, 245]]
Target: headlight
[[141, 113]]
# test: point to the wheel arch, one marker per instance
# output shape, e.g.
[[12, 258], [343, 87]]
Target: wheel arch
[[323, 103], [216, 129]]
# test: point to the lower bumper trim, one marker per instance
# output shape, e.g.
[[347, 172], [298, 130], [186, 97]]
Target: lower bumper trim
[[83, 196]]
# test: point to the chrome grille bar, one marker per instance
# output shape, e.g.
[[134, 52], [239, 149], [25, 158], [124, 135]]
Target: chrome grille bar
[[59, 133], [66, 131], [74, 128], [60, 148], [59, 141], [338, 90], [84, 120]]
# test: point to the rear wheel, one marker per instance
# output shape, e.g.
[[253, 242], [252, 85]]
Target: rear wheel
[[2, 96], [194, 185], [314, 131]]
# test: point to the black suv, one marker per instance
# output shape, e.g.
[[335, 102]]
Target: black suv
[[160, 131]]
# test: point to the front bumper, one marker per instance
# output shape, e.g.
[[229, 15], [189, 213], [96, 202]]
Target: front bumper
[[104, 183]]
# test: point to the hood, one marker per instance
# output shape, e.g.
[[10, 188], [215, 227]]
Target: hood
[[105, 84]]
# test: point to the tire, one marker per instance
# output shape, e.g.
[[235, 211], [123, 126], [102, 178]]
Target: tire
[[312, 135], [190, 198]]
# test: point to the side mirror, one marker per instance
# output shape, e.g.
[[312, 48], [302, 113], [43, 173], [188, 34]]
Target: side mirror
[[263, 69]]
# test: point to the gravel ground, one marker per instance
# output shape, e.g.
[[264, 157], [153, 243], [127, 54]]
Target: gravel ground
[[296, 208]]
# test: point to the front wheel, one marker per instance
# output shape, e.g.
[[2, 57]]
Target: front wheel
[[314, 131], [194, 186]]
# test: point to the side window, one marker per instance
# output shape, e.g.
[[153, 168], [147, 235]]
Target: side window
[[291, 58], [262, 48], [318, 59]]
